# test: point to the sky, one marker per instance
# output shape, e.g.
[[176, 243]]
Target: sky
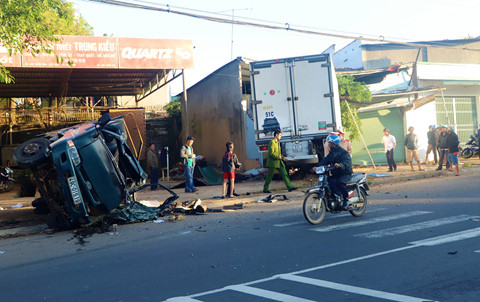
[[406, 20]]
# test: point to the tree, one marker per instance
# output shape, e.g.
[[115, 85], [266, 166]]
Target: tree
[[351, 91], [29, 26], [174, 109]]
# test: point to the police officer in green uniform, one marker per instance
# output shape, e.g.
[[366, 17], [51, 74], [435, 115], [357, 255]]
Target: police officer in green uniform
[[275, 162]]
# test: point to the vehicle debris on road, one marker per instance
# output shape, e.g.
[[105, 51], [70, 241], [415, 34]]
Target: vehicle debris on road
[[273, 198]]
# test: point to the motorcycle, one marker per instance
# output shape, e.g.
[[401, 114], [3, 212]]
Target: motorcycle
[[321, 198], [472, 150], [6, 180]]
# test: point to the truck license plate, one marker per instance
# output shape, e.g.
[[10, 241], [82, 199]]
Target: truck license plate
[[72, 184]]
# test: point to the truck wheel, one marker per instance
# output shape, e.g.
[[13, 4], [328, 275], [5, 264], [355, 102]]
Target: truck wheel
[[32, 153]]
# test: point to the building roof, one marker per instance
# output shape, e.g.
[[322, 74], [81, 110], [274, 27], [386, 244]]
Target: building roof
[[438, 43], [63, 82], [95, 66], [406, 99]]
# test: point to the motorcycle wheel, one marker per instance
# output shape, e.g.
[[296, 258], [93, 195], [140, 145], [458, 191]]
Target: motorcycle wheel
[[357, 212], [467, 153], [8, 186], [314, 208]]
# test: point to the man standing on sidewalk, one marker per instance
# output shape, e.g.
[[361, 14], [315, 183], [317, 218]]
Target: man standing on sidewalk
[[452, 145], [152, 166], [390, 143], [443, 148], [432, 144], [411, 142], [187, 156], [275, 162]]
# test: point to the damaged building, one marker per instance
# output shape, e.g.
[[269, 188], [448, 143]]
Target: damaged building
[[419, 84]]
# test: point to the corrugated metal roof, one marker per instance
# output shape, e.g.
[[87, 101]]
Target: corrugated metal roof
[[63, 82]]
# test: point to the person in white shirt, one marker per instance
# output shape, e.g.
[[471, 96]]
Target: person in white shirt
[[389, 143]]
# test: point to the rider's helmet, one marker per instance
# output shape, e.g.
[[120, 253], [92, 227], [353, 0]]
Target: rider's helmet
[[334, 139]]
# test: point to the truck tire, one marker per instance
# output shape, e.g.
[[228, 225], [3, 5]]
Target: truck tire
[[32, 153]]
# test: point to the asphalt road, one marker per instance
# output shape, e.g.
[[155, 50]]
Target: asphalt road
[[418, 241]]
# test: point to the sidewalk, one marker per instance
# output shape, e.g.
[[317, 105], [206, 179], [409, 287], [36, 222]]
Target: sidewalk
[[17, 216]]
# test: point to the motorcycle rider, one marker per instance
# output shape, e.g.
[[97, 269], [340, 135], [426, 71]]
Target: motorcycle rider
[[341, 160]]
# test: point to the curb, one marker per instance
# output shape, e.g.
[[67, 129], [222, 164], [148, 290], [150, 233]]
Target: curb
[[32, 223], [419, 175]]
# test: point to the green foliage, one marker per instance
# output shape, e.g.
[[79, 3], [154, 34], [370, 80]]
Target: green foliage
[[29, 26], [348, 123], [174, 109], [354, 92]]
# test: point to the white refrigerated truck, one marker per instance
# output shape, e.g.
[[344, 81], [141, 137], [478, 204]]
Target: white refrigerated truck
[[299, 96]]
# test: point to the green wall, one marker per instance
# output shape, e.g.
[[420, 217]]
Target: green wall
[[373, 123]]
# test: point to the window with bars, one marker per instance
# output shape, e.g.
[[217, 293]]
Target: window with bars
[[460, 112]]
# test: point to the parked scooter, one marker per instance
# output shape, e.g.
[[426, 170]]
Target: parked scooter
[[6, 180], [321, 198], [472, 148]]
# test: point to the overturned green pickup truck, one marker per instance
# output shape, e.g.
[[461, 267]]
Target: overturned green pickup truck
[[82, 171]]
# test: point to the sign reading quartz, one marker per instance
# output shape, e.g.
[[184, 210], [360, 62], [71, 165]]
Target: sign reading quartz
[[155, 53]]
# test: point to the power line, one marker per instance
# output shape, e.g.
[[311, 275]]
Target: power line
[[265, 24]]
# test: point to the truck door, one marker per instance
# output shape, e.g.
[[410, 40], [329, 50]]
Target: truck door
[[313, 96], [272, 98]]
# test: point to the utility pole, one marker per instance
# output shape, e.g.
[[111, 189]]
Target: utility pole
[[361, 136], [233, 23], [187, 126]]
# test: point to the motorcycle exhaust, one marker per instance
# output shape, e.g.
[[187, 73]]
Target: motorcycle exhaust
[[354, 199]]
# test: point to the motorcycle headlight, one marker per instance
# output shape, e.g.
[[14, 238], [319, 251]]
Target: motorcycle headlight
[[320, 178]]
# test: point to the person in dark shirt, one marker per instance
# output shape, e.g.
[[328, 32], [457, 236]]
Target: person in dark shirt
[[342, 161], [229, 164], [442, 148], [432, 144], [411, 142], [453, 150]]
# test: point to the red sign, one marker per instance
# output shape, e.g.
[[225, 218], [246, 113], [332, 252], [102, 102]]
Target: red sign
[[85, 52], [155, 53], [9, 61], [107, 52]]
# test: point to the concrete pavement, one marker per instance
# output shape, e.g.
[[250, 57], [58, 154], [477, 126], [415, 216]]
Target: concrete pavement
[[17, 217]]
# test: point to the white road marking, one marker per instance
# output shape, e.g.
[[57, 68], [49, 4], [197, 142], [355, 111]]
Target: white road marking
[[183, 299], [290, 223], [352, 289], [336, 216], [266, 294], [472, 233], [369, 221], [415, 227], [355, 259], [244, 287]]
